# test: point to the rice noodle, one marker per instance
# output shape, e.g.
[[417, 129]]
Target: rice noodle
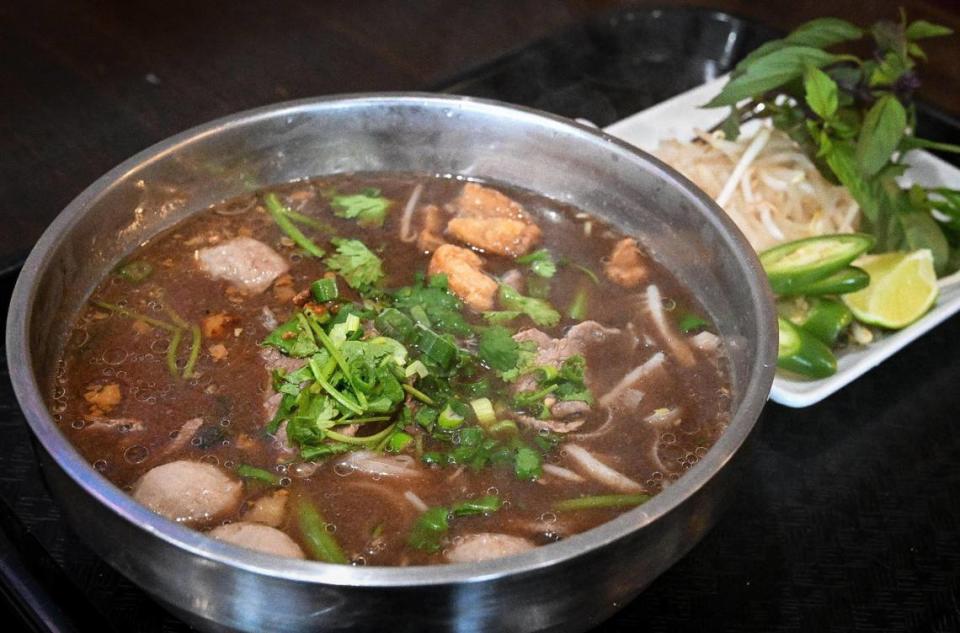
[[681, 352], [766, 184], [561, 472], [382, 465], [406, 234], [415, 501], [631, 377], [597, 470]]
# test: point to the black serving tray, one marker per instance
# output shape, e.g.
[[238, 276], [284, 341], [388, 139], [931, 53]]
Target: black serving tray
[[848, 519]]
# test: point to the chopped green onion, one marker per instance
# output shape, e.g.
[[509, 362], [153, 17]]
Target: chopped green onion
[[325, 289], [398, 441], [279, 212], [483, 409], [172, 350], [449, 419], [419, 395], [472, 507], [252, 472], [416, 367], [690, 322], [586, 271], [394, 324], [435, 347], [318, 539], [502, 426], [136, 316], [578, 307], [429, 530], [194, 351], [601, 501]]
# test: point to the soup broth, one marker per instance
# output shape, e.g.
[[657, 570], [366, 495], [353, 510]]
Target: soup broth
[[392, 369]]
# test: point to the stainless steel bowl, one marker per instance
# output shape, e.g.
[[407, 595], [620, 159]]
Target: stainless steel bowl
[[570, 585]]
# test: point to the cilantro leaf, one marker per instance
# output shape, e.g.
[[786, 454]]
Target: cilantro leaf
[[541, 262], [440, 306], [539, 311], [368, 207], [358, 265], [527, 464], [498, 349]]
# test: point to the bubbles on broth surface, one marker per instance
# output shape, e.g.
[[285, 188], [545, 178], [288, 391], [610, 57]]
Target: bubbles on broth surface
[[114, 356], [135, 454], [100, 465]]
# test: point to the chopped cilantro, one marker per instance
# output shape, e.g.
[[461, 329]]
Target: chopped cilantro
[[434, 301], [368, 207], [539, 311], [541, 262], [527, 464], [357, 264], [498, 349]]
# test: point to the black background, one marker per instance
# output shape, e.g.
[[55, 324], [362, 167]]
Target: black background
[[848, 518]]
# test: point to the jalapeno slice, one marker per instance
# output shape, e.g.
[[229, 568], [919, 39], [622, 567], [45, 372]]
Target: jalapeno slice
[[803, 353], [824, 318], [849, 279], [802, 262]]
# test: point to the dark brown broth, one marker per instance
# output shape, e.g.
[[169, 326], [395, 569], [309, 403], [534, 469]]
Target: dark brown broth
[[229, 394]]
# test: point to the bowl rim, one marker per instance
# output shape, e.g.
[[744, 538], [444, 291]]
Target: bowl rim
[[27, 391]]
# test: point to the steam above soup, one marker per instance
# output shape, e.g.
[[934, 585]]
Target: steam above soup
[[392, 370]]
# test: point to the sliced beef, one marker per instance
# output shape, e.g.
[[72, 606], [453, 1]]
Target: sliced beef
[[243, 261], [188, 492], [255, 536], [474, 548], [465, 276]]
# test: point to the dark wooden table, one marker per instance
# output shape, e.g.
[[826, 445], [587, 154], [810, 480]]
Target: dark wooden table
[[851, 519]]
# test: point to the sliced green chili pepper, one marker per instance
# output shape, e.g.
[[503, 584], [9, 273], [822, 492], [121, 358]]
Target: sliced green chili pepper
[[822, 317], [801, 262], [803, 353], [849, 279]]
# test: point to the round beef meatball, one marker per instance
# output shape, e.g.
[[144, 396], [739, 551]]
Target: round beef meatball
[[188, 492], [262, 538]]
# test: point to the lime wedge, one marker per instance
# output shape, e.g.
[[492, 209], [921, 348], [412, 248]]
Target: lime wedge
[[902, 288]]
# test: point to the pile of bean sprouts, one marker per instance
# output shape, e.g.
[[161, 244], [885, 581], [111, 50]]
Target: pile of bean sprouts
[[766, 184]]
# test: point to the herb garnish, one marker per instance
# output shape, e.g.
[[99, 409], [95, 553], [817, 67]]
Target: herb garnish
[[855, 118], [357, 264], [368, 207]]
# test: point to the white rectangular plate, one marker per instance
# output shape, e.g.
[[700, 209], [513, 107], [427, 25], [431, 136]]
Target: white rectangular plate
[[679, 117]]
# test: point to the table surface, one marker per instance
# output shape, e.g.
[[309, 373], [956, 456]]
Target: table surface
[[849, 518]]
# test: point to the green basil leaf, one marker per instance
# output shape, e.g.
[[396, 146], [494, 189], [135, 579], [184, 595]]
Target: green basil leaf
[[880, 134], [819, 33], [922, 29], [821, 92], [771, 71], [824, 32], [922, 231]]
